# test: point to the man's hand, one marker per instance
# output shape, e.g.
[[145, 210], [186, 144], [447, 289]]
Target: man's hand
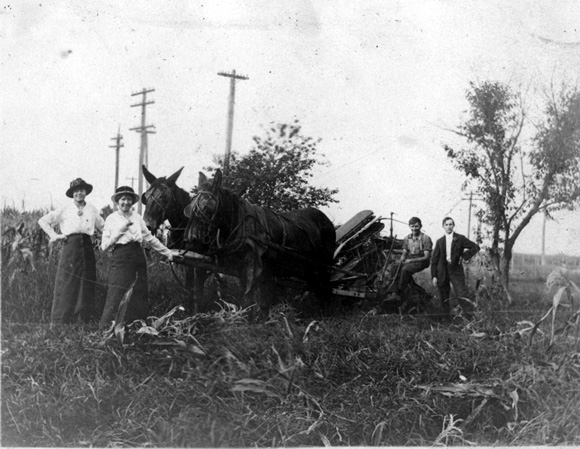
[[434, 282]]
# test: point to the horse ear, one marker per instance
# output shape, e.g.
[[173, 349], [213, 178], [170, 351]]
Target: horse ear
[[217, 180], [174, 176], [201, 180], [148, 176]]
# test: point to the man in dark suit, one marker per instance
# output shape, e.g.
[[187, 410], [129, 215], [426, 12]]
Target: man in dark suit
[[446, 267]]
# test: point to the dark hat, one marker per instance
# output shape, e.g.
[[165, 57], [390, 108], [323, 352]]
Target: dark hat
[[125, 190], [78, 184], [415, 220]]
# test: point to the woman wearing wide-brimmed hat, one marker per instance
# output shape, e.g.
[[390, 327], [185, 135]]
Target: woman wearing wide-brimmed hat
[[74, 289], [124, 232]]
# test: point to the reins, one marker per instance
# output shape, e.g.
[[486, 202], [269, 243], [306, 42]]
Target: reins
[[236, 237]]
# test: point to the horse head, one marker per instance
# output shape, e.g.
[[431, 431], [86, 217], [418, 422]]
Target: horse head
[[160, 199], [203, 213]]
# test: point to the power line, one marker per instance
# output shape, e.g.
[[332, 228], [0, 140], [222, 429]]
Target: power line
[[132, 179], [143, 130], [454, 206]]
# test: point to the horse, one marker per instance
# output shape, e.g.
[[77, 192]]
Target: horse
[[261, 245], [165, 200]]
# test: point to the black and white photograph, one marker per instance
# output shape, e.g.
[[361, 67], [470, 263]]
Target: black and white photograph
[[301, 223]]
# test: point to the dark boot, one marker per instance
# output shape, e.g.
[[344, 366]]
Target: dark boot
[[445, 310]]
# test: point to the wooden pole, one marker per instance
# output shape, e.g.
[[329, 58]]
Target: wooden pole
[[144, 130], [543, 259], [132, 179], [230, 126], [118, 145], [469, 217]]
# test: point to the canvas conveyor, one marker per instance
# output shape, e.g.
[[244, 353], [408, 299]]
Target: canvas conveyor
[[361, 248]]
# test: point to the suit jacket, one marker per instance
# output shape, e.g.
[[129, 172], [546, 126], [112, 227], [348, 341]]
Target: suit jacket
[[461, 248]]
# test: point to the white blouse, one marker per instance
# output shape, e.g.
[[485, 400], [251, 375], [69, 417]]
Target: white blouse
[[137, 232], [72, 221]]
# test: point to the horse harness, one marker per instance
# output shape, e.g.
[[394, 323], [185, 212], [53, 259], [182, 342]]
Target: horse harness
[[155, 199], [151, 196], [238, 234], [195, 209]]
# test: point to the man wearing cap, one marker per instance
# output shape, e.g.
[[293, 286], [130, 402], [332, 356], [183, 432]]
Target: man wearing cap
[[74, 288], [416, 255], [124, 232]]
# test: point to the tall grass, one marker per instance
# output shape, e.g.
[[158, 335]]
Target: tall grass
[[27, 285], [217, 380]]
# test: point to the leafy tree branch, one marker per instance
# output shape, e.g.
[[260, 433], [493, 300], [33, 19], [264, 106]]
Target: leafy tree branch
[[493, 130], [278, 170]]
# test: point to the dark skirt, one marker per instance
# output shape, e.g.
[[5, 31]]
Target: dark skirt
[[74, 288], [127, 263]]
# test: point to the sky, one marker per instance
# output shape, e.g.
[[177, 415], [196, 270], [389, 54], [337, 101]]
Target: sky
[[381, 83]]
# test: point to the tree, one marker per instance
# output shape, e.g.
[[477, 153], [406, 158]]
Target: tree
[[106, 211], [518, 179], [277, 171]]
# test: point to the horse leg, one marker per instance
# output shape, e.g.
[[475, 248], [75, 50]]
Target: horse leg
[[264, 294], [247, 295], [259, 297], [320, 284], [190, 286], [197, 300]]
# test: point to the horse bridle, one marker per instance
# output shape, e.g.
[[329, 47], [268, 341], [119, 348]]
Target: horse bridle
[[232, 242], [194, 210], [151, 196]]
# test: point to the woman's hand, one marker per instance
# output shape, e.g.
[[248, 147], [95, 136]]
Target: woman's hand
[[125, 227], [58, 237]]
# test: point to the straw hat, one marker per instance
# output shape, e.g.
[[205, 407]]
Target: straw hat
[[125, 190], [78, 184]]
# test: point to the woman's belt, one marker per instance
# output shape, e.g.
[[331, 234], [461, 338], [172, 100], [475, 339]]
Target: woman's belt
[[125, 245], [78, 235]]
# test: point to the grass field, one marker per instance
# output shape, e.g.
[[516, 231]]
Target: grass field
[[353, 378]]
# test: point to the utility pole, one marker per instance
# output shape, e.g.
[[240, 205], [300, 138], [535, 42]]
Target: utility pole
[[144, 130], [118, 145], [469, 217], [233, 77], [470, 199], [479, 238], [132, 178], [543, 259]]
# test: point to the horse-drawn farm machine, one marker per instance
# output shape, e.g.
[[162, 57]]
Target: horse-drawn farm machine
[[365, 265]]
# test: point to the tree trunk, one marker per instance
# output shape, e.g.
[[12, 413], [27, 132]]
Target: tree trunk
[[505, 264], [494, 254]]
